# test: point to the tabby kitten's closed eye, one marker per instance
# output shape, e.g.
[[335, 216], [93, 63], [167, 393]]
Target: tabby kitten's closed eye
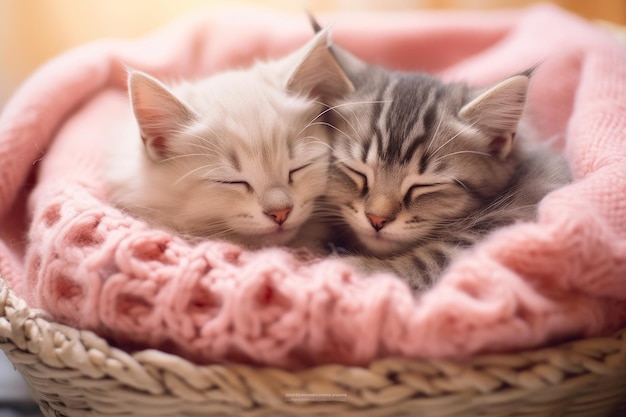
[[422, 169], [239, 156]]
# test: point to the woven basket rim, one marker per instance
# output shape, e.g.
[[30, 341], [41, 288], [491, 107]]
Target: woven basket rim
[[63, 347]]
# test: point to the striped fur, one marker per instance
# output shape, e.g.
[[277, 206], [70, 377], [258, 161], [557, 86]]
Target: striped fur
[[421, 169]]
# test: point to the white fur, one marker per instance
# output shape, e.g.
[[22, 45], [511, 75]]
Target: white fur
[[252, 116]]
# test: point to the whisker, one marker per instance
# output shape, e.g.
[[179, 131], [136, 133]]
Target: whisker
[[336, 107], [213, 142], [173, 158], [317, 141], [331, 126], [458, 181], [432, 139], [192, 172], [213, 150], [350, 104], [133, 207], [463, 152], [450, 140]]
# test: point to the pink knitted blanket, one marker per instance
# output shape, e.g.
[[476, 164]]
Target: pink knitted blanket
[[64, 249]]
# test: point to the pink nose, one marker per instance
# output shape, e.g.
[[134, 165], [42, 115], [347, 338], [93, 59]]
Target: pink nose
[[280, 215], [377, 222]]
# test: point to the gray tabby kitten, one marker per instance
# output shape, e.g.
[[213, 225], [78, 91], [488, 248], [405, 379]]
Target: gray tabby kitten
[[422, 169]]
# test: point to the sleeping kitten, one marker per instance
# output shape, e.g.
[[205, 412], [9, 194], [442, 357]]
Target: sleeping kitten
[[422, 169], [239, 156]]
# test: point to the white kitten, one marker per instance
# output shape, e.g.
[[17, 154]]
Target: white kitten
[[240, 156]]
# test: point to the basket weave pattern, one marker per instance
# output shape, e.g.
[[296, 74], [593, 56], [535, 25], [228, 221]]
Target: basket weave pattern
[[76, 373]]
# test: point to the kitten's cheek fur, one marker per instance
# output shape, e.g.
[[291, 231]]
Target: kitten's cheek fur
[[392, 239], [278, 237], [380, 244]]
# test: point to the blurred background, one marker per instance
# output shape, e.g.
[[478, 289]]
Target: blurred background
[[32, 31]]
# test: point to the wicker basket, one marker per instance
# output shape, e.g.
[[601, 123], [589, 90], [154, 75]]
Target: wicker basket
[[76, 373]]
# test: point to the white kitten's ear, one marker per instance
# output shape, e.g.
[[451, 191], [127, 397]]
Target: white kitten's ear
[[497, 112], [317, 73], [159, 113]]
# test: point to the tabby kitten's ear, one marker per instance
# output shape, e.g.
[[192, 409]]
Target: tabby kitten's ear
[[317, 73], [497, 112], [159, 114]]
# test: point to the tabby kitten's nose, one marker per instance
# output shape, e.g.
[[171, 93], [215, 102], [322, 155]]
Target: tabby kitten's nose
[[377, 222], [280, 215]]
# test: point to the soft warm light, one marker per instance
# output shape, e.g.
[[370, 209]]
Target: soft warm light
[[33, 31]]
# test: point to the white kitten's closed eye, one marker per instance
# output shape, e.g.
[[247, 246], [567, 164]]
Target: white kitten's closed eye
[[242, 184], [296, 170], [239, 184]]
